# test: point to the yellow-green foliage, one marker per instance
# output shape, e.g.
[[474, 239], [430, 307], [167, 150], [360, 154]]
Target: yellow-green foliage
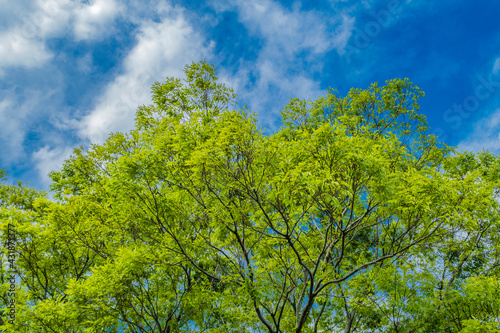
[[348, 218]]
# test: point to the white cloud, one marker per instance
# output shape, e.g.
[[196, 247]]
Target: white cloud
[[343, 33], [47, 160], [53, 18], [162, 49], [291, 31], [21, 114], [93, 20], [23, 44], [485, 135], [30, 24], [50, 18], [14, 117], [294, 45], [15, 50]]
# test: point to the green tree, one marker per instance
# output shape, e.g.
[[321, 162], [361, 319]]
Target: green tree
[[349, 218]]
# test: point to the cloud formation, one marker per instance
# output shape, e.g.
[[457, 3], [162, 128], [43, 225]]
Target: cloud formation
[[290, 31], [49, 159], [162, 49], [18, 51], [280, 73], [23, 44], [93, 21]]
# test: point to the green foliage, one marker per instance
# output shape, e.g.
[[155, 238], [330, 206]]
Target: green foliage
[[349, 218]]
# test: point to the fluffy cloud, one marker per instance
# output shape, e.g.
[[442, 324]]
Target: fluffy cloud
[[50, 18], [92, 21], [18, 51], [23, 44], [162, 49], [49, 159], [30, 23], [293, 39], [14, 116], [290, 31]]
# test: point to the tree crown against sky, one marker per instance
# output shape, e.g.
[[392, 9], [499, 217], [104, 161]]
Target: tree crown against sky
[[350, 218]]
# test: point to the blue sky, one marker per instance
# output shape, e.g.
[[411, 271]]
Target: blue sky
[[73, 71]]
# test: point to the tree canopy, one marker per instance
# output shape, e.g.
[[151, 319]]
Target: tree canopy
[[349, 218]]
